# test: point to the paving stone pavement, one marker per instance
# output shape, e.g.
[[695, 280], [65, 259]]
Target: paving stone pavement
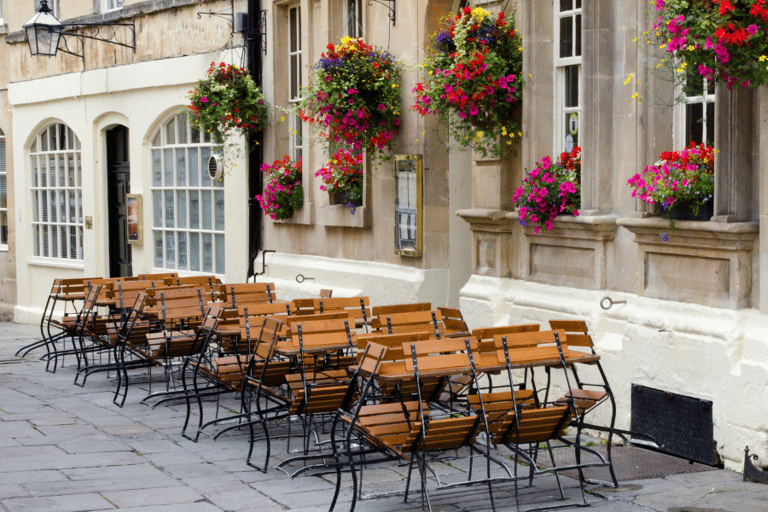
[[64, 448]]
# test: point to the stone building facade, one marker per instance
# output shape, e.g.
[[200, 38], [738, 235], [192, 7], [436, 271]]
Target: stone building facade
[[694, 318]]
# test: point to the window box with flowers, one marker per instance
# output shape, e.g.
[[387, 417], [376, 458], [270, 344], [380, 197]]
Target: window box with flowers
[[473, 80], [681, 184], [549, 190], [283, 193], [353, 102], [227, 102]]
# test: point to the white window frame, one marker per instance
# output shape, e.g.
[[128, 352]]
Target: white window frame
[[3, 194], [680, 118], [56, 196], [111, 5], [561, 63], [295, 82], [2, 21], [353, 28], [171, 224]]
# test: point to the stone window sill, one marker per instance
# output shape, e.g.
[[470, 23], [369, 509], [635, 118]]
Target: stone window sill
[[304, 216]]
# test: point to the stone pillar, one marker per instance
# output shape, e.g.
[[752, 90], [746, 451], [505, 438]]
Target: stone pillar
[[761, 165], [735, 176]]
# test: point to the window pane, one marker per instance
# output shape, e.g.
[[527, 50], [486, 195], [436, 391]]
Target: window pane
[[157, 168], [710, 124], [170, 135], [572, 86], [169, 213], [219, 254], [578, 35], [194, 168], [205, 154], [566, 37], [168, 154], [170, 250], [159, 249], [182, 251], [694, 116], [194, 252], [181, 209], [157, 208], [219, 198], [207, 253], [194, 209], [207, 210], [181, 168], [566, 5]]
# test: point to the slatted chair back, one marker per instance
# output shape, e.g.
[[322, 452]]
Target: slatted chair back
[[421, 321], [576, 333], [279, 310], [162, 276], [357, 307], [447, 356], [485, 336], [393, 343], [125, 292], [256, 348], [305, 306], [586, 395], [383, 311], [326, 293], [181, 308], [312, 333], [130, 338], [291, 321], [247, 293], [453, 322]]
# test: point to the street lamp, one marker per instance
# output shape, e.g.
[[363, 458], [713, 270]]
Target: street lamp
[[44, 33]]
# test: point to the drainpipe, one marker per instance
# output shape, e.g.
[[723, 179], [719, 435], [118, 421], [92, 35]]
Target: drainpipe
[[253, 48]]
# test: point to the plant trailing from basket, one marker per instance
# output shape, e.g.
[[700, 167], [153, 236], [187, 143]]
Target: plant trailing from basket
[[354, 96], [227, 101], [721, 40], [679, 177], [283, 193], [342, 176], [550, 189], [474, 80]]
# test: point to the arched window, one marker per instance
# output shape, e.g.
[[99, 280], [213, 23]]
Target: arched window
[[57, 196], [187, 205]]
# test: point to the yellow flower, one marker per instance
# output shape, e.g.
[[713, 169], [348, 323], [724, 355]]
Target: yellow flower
[[762, 58], [634, 96], [503, 130], [662, 46], [294, 132], [691, 47], [634, 40], [346, 40], [629, 78], [282, 119], [480, 14], [530, 75], [479, 135]]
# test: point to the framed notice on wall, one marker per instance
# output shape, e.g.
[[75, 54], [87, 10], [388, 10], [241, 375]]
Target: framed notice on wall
[[135, 212], [408, 205]]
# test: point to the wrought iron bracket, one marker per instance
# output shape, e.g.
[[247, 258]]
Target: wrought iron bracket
[[121, 34], [390, 5], [229, 16], [751, 473]]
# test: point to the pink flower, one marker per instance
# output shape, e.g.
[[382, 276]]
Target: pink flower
[[752, 29], [473, 110], [382, 107], [546, 162], [204, 99], [548, 225]]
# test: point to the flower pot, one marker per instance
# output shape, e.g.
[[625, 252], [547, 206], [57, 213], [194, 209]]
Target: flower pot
[[683, 211], [344, 199]]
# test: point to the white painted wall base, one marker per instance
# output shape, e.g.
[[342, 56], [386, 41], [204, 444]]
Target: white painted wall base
[[384, 283], [708, 353]]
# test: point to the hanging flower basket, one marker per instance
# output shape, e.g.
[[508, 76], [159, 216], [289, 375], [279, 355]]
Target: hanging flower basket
[[227, 101], [549, 190], [680, 179], [354, 96], [473, 79], [721, 40], [283, 193], [342, 177]]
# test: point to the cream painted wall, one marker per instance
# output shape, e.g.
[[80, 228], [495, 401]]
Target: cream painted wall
[[140, 96]]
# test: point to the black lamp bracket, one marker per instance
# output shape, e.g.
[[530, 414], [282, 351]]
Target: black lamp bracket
[[260, 31], [121, 34], [390, 5]]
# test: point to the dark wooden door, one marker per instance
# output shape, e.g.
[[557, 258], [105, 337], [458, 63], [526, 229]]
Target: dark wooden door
[[119, 185]]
